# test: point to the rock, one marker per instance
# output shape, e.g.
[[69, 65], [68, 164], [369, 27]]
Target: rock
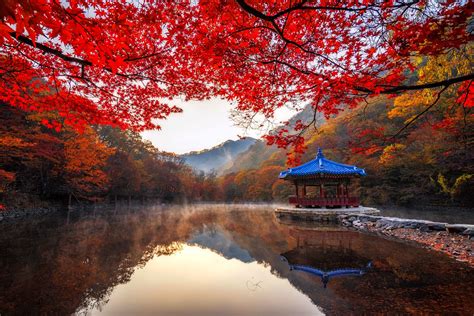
[[412, 225], [424, 228], [346, 223], [437, 226], [468, 231], [374, 219], [455, 228]]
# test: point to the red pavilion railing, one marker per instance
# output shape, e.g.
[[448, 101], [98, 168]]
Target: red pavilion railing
[[324, 202]]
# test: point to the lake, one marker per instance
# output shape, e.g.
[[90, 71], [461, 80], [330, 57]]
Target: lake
[[217, 260]]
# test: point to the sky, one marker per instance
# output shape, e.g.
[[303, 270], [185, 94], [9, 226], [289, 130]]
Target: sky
[[201, 125], [199, 281]]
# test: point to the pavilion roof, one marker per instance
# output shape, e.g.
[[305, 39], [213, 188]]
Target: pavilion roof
[[321, 166]]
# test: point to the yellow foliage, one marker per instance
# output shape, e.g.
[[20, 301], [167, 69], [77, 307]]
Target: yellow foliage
[[452, 190], [390, 152], [431, 69]]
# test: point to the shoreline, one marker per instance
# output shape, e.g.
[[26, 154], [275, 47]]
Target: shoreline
[[454, 240]]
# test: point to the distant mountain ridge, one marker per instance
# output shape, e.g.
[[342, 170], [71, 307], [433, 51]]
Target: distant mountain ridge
[[216, 158], [243, 154], [260, 152]]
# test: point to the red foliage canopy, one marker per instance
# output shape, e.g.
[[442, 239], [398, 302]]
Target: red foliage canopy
[[117, 62]]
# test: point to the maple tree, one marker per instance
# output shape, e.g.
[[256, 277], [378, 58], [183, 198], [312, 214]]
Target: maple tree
[[85, 157], [430, 162], [40, 165], [102, 62], [29, 153]]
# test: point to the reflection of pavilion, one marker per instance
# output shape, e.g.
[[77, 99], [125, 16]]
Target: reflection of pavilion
[[326, 261]]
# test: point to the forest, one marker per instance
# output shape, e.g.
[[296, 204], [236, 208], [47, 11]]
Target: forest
[[429, 162], [426, 160], [80, 80], [42, 165]]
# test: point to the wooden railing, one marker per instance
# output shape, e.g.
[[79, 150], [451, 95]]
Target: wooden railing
[[324, 202]]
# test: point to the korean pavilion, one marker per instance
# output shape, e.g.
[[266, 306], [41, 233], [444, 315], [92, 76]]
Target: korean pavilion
[[330, 179]]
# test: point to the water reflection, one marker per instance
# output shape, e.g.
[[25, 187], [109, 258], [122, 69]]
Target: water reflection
[[216, 260], [200, 281], [326, 275]]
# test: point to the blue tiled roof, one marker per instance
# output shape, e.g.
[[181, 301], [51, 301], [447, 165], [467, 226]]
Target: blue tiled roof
[[321, 165]]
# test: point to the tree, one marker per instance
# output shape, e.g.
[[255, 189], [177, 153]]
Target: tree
[[85, 158], [30, 155], [124, 176], [116, 63]]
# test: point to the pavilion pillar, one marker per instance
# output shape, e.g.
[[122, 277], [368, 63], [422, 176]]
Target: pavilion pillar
[[296, 189], [321, 191], [304, 190]]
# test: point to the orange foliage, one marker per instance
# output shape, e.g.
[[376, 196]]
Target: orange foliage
[[85, 157]]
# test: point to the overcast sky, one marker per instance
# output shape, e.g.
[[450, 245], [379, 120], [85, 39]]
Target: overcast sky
[[203, 124]]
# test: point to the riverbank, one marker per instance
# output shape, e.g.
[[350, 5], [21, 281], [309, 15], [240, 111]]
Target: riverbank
[[455, 240]]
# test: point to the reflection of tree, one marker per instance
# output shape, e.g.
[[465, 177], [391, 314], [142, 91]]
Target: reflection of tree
[[60, 268], [50, 267]]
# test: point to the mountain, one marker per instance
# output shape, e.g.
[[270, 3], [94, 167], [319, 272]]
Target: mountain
[[219, 156], [260, 152], [242, 154], [220, 242], [252, 158]]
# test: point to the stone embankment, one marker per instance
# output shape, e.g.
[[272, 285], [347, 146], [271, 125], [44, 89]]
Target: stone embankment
[[456, 240]]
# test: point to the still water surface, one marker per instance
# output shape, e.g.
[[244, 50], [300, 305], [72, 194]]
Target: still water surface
[[216, 260]]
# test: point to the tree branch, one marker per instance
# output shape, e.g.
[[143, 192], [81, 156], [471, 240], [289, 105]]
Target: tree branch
[[420, 114], [49, 50], [301, 6], [402, 88]]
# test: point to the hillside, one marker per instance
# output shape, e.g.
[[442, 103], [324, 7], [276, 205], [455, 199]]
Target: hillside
[[252, 158], [409, 170], [219, 156]]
